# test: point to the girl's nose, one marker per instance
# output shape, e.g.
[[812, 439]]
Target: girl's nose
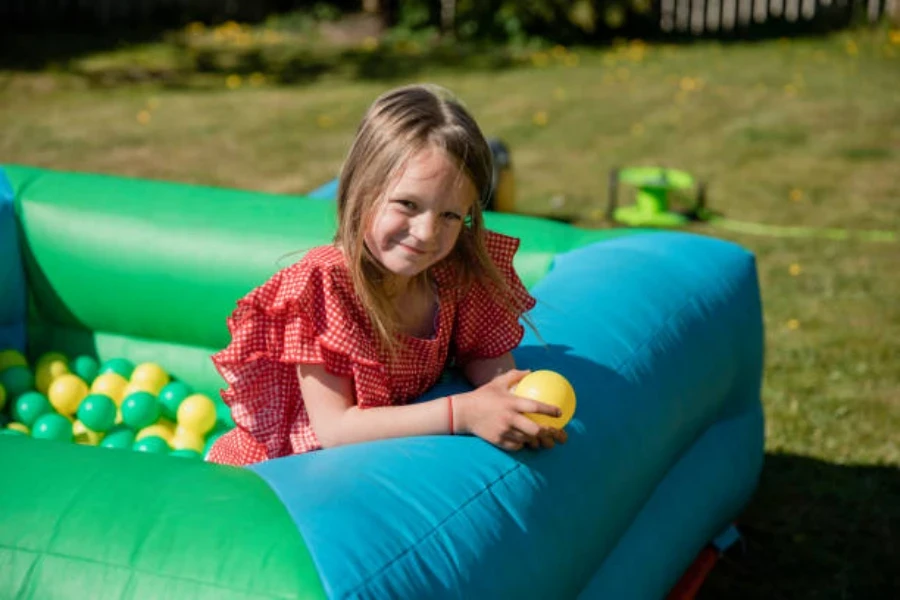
[[424, 227]]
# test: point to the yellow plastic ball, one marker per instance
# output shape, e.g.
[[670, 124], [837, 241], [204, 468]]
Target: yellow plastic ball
[[11, 358], [158, 430], [66, 393], [46, 372], [197, 412], [187, 439], [551, 388], [112, 385], [48, 357], [15, 426], [84, 436], [2, 396], [150, 376]]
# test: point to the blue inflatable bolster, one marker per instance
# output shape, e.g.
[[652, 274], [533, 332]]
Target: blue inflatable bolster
[[661, 336], [12, 278]]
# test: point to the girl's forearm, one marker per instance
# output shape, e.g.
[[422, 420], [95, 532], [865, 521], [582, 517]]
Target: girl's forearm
[[357, 425]]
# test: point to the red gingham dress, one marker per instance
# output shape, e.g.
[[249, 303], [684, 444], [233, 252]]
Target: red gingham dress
[[309, 313]]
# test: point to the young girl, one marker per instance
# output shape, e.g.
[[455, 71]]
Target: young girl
[[330, 350]]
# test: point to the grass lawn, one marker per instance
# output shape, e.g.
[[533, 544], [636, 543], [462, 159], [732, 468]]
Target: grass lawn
[[802, 132]]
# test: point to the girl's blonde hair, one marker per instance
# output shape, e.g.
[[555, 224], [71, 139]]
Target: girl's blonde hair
[[398, 125]]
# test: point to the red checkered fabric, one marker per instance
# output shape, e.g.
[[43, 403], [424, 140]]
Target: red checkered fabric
[[308, 313]]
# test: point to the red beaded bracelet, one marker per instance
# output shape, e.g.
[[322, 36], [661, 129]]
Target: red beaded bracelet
[[450, 411]]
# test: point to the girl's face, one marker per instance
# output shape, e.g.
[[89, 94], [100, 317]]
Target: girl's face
[[420, 221]]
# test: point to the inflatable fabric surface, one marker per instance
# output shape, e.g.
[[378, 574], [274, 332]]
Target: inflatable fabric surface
[[12, 279]]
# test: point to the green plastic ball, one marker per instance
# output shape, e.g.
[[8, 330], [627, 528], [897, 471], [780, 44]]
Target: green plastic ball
[[30, 406], [185, 453], [52, 426], [154, 444], [97, 412], [17, 380], [122, 366], [140, 409], [85, 367], [119, 437], [170, 398]]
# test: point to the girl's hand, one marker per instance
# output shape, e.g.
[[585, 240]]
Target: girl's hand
[[495, 414]]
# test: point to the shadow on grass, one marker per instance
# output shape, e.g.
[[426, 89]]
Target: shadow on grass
[[816, 530]]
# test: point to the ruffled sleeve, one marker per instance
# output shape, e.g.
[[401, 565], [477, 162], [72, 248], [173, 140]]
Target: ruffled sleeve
[[485, 326], [303, 314]]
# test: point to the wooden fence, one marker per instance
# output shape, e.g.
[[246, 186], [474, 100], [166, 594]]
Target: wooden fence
[[711, 16]]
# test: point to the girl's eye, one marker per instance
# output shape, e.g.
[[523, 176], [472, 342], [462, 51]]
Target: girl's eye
[[406, 204], [452, 216]]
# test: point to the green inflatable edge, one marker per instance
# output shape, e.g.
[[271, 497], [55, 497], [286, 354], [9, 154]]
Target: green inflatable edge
[[183, 528]]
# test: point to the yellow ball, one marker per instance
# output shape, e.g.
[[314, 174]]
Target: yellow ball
[[51, 357], [187, 439], [150, 377], [46, 372], [11, 358], [82, 435], [112, 385], [15, 426], [66, 393], [197, 412], [550, 388], [157, 429], [2, 396]]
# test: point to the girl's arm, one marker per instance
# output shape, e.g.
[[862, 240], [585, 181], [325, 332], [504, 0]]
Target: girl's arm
[[490, 411]]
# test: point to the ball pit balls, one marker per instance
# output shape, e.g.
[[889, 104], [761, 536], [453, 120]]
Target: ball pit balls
[[140, 409], [84, 436], [197, 412], [11, 358], [110, 384], [111, 404], [29, 406], [66, 393], [160, 430], [170, 398], [52, 427], [551, 388], [97, 412], [150, 376], [120, 366], [17, 379], [19, 428], [119, 437], [47, 372], [152, 444], [187, 439], [85, 367]]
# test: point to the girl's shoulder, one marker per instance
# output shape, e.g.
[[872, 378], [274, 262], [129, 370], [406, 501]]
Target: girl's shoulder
[[327, 261]]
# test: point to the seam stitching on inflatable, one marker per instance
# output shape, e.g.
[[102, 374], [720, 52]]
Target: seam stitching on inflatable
[[379, 572]]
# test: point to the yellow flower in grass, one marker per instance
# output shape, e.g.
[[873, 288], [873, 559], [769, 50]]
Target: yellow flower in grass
[[233, 81], [793, 324], [796, 195], [143, 117], [894, 36], [795, 269], [540, 118]]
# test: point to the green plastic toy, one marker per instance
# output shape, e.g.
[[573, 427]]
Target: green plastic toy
[[654, 188]]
